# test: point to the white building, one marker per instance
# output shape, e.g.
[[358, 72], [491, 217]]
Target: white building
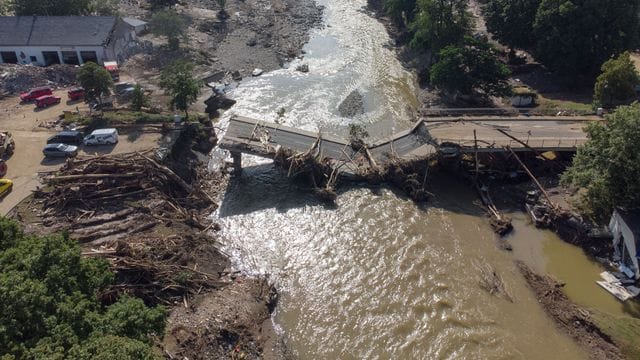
[[625, 227], [47, 40]]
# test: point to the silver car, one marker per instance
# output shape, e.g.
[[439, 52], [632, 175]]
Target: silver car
[[60, 150]]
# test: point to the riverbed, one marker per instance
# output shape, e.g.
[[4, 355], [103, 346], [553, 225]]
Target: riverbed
[[375, 276]]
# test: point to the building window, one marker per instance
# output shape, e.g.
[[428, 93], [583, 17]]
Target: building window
[[89, 56], [9, 57], [50, 58], [70, 57], [34, 59]]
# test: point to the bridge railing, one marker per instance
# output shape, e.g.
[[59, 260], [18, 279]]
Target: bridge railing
[[534, 143]]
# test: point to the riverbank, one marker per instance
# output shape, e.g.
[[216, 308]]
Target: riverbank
[[146, 214], [253, 35]]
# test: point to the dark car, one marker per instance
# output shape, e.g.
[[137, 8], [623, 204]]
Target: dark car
[[60, 150], [47, 100], [36, 93], [75, 93], [68, 137]]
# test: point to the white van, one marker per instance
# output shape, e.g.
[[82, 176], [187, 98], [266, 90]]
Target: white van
[[102, 137]]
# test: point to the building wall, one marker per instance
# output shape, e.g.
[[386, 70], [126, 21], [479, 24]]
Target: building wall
[[620, 229], [102, 53]]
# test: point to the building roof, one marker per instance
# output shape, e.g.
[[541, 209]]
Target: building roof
[[632, 219], [134, 22], [56, 30]]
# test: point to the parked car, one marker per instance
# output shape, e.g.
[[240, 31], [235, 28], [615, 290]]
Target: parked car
[[102, 137], [60, 150], [36, 93], [47, 100], [106, 104], [68, 137], [75, 93], [5, 186]]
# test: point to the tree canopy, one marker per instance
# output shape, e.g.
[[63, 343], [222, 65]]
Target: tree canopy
[[178, 82], [51, 7], [50, 308], [468, 68], [439, 23], [616, 85], [139, 99], [169, 24], [401, 11], [162, 3], [95, 80], [574, 37], [607, 167], [511, 21]]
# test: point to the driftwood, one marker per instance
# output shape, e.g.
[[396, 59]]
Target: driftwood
[[113, 204]]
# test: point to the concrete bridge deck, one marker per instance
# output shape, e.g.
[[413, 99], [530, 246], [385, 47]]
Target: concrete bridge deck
[[246, 135]]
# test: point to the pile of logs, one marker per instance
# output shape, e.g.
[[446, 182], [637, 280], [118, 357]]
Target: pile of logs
[[140, 215]]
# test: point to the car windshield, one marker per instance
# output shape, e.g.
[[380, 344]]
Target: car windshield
[[62, 147]]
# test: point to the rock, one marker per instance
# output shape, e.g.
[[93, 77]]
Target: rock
[[216, 102], [303, 68], [252, 42], [352, 105], [236, 76], [257, 72]]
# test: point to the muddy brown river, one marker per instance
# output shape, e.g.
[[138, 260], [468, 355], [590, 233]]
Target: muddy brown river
[[375, 277]]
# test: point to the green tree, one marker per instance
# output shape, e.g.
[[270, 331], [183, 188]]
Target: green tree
[[50, 307], [156, 4], [401, 11], [178, 82], [51, 7], [469, 68], [104, 7], [607, 167], [169, 24], [139, 99], [439, 23], [95, 80], [574, 37], [616, 85], [511, 21]]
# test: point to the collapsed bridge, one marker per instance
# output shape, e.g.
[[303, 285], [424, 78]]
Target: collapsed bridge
[[427, 137]]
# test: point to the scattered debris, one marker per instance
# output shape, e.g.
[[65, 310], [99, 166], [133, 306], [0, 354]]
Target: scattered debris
[[17, 78]]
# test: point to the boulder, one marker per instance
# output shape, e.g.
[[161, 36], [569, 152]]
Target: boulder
[[257, 72], [216, 102], [352, 105]]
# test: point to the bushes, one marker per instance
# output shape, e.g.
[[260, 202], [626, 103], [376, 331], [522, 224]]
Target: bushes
[[607, 167], [50, 308]]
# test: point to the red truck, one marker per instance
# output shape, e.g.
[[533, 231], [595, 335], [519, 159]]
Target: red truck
[[36, 93], [75, 93], [47, 100]]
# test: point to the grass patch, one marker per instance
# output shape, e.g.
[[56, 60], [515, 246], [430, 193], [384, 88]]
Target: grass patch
[[624, 330], [552, 106], [119, 117]]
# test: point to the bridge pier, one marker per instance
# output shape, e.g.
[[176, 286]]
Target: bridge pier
[[237, 162]]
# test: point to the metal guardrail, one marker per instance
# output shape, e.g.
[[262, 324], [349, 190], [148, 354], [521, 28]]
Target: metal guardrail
[[499, 143]]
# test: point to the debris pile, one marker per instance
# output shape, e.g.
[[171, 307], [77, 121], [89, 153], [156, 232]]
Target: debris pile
[[18, 78], [140, 215]]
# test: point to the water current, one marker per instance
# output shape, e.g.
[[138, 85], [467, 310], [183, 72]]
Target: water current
[[374, 277]]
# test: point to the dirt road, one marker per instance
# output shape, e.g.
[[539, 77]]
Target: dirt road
[[27, 128]]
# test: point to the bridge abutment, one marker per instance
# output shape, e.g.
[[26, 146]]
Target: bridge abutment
[[237, 162]]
